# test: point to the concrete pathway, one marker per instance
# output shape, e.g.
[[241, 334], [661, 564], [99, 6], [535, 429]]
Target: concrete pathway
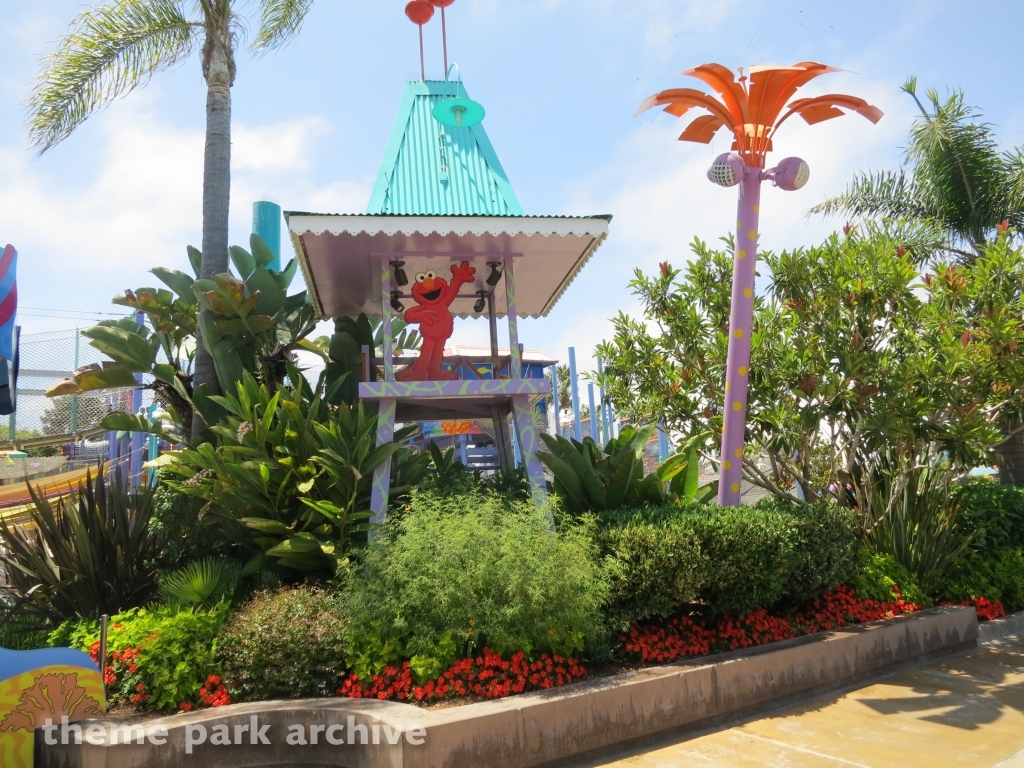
[[964, 711]]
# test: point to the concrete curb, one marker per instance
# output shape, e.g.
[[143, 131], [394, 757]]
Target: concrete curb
[[999, 629], [539, 729]]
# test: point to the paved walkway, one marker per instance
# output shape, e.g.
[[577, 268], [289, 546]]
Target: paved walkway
[[965, 711]]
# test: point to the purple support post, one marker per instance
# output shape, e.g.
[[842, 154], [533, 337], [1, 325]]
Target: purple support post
[[741, 320], [530, 444], [389, 342], [516, 366], [381, 489]]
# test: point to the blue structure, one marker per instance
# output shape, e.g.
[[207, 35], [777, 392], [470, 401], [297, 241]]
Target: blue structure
[[436, 169], [266, 222]]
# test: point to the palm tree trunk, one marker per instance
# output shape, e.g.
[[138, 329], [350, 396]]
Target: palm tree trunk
[[219, 70], [1011, 452]]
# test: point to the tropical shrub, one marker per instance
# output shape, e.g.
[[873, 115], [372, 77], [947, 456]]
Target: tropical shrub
[[289, 643], [160, 657], [997, 575], [852, 349], [178, 525], [912, 512], [89, 553], [993, 514], [883, 579], [289, 477], [589, 479], [459, 574], [734, 560]]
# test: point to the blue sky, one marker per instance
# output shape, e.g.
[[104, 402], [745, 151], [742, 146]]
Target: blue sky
[[561, 80]]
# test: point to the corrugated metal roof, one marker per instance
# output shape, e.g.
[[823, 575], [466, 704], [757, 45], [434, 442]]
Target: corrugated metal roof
[[433, 169]]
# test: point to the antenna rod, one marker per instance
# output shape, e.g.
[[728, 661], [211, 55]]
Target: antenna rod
[[444, 37], [423, 61]]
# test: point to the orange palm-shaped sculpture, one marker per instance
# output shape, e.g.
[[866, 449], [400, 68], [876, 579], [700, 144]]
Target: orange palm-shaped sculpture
[[751, 112]]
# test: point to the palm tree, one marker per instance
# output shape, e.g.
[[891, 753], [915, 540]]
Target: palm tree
[[955, 181], [954, 178], [115, 47]]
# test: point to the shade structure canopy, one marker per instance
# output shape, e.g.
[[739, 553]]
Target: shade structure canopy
[[340, 256]]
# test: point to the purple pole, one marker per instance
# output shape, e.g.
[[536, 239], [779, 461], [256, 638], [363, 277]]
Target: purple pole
[[741, 320]]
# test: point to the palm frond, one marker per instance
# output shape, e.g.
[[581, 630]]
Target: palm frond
[[110, 50], [202, 583], [887, 194], [280, 21]]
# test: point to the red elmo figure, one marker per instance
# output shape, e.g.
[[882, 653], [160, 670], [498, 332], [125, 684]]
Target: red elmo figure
[[434, 296]]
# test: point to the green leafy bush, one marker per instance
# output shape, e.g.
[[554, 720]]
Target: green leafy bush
[[183, 536], [735, 559], [994, 574], [994, 513], [290, 476], [289, 643], [878, 576], [176, 651], [456, 574], [654, 568]]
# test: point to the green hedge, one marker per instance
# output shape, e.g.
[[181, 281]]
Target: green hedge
[[996, 574], [735, 560], [995, 513]]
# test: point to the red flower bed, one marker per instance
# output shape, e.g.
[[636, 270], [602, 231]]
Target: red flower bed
[[985, 608], [683, 636], [489, 676]]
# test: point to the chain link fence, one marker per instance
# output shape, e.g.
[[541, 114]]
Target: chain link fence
[[40, 424]]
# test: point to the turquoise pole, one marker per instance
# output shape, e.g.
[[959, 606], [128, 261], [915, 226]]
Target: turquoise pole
[[266, 222]]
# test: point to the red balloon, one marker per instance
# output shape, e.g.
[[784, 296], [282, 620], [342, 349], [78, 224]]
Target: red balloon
[[441, 3], [419, 12]]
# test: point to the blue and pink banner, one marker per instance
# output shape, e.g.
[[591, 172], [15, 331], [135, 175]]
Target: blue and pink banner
[[8, 301]]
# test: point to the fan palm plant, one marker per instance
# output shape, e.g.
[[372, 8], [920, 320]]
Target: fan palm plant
[[115, 47], [957, 182]]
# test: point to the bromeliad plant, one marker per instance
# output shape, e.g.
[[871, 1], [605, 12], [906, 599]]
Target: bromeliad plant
[[588, 479], [288, 477]]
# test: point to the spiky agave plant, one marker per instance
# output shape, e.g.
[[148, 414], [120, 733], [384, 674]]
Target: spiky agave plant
[[89, 553]]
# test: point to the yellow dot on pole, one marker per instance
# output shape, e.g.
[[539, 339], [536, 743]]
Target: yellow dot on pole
[[737, 406], [748, 292], [735, 487], [739, 333], [727, 387], [739, 453], [741, 254], [743, 370], [757, 209], [739, 224], [752, 234], [727, 464]]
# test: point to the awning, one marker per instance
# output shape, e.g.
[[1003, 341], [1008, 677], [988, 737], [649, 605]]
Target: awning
[[340, 256]]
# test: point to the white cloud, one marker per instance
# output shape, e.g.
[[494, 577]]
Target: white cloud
[[138, 202]]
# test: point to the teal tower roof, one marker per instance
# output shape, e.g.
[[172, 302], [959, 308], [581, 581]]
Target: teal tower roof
[[437, 170]]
